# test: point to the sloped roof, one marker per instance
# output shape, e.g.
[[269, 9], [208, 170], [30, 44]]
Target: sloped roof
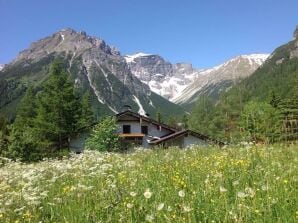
[[144, 118], [182, 133]]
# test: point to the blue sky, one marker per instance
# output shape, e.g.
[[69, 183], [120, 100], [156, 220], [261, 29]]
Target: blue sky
[[202, 32]]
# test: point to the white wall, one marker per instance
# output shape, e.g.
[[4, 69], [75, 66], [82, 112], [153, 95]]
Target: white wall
[[153, 130]]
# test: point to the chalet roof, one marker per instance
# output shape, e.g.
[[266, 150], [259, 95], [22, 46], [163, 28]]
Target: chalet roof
[[144, 118], [182, 133]]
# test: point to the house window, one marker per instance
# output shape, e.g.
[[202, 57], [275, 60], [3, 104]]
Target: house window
[[144, 129], [126, 129]]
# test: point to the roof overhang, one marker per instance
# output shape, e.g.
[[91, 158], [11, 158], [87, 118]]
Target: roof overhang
[[183, 133], [144, 118]]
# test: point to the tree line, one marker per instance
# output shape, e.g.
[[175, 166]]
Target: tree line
[[46, 118], [262, 108]]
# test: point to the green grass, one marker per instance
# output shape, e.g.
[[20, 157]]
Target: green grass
[[240, 184]]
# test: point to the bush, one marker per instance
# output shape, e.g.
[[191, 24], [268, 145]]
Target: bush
[[104, 137]]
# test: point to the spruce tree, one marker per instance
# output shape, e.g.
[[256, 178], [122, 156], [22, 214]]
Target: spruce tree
[[24, 139], [58, 109], [201, 116], [259, 120], [26, 112], [4, 135], [289, 115], [87, 115]]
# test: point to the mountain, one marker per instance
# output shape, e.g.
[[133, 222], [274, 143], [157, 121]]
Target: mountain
[[212, 82], [93, 65], [1, 66], [183, 84], [279, 74], [163, 78], [273, 88]]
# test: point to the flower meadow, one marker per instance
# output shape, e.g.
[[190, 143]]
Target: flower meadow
[[240, 184]]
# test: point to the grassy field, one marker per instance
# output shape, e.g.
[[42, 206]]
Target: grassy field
[[240, 184]]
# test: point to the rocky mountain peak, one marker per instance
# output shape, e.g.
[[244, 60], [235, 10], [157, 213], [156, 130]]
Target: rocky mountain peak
[[161, 76], [93, 66], [66, 40], [219, 78]]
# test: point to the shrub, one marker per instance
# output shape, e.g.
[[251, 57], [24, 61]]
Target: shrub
[[104, 137]]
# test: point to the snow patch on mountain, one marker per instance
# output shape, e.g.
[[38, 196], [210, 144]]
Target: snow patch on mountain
[[219, 78], [141, 109], [131, 58], [163, 78], [1, 66]]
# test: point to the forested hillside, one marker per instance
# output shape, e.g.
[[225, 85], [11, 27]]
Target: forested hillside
[[262, 107]]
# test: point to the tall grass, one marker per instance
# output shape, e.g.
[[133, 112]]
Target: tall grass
[[240, 184]]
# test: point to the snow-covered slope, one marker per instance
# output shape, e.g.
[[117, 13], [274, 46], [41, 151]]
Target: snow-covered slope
[[1, 66], [212, 81], [181, 83], [163, 78]]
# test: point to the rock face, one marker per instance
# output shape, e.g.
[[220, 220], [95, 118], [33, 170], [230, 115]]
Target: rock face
[[163, 78], [294, 52], [296, 33], [212, 82], [94, 66], [181, 83]]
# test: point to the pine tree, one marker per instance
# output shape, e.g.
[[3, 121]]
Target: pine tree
[[58, 109], [289, 115], [27, 110], [24, 140], [201, 116], [260, 121], [87, 115], [4, 135], [274, 99]]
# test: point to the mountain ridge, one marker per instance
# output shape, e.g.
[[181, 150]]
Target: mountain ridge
[[182, 84], [163, 77], [93, 65], [215, 80]]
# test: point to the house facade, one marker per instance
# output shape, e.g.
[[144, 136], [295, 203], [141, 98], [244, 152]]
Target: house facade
[[146, 132]]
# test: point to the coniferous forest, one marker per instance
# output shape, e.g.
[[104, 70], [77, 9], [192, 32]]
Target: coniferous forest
[[262, 108]]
